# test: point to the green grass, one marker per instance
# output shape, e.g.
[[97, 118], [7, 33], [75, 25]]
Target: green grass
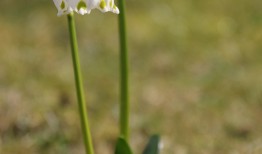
[[195, 71]]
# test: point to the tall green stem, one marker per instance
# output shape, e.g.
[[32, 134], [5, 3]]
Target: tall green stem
[[124, 104], [79, 86]]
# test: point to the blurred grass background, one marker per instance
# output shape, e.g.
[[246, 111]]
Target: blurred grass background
[[195, 77]]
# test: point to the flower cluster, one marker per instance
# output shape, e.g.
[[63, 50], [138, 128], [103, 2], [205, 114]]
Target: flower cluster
[[84, 6]]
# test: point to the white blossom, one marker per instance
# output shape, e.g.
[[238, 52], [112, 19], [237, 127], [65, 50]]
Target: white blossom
[[84, 6], [62, 7]]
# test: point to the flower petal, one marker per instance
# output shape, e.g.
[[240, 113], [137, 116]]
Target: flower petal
[[62, 7]]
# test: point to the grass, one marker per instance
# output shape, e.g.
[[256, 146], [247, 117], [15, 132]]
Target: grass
[[195, 71]]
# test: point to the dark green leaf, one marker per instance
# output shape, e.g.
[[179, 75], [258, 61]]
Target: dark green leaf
[[122, 147], [153, 145]]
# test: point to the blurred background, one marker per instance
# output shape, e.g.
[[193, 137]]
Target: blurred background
[[195, 77]]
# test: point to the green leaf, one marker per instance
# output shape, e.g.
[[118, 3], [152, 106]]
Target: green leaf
[[153, 145], [122, 147]]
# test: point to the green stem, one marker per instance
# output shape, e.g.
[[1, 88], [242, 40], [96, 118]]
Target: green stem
[[79, 86], [124, 104]]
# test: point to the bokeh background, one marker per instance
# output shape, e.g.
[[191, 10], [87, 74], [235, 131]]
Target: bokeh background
[[195, 77]]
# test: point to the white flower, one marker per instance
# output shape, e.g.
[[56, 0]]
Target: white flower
[[62, 7], [85, 6], [103, 5]]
